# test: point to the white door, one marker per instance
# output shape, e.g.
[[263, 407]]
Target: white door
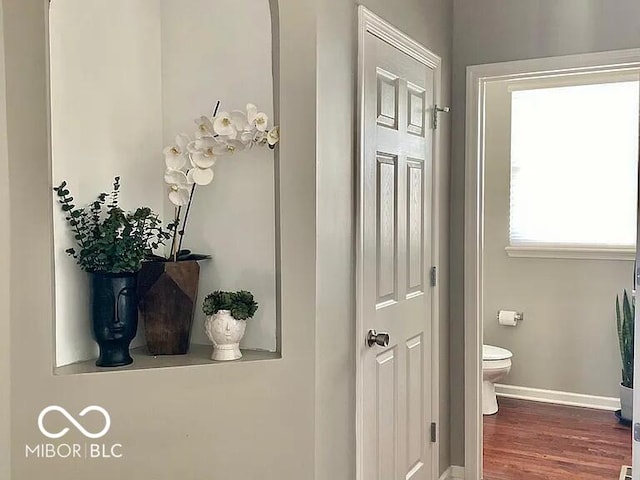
[[395, 261]]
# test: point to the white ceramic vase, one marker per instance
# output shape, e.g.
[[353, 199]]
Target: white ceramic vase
[[225, 332], [626, 402]]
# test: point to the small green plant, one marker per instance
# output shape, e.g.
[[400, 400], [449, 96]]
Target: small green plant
[[109, 239], [241, 304], [625, 319]]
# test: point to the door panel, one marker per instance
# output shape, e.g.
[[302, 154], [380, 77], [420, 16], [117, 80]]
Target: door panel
[[415, 225], [386, 212], [386, 410], [397, 171], [416, 422]]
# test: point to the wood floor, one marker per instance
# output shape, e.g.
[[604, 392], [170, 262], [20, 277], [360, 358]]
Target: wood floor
[[538, 441]]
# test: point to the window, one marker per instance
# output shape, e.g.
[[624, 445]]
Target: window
[[574, 157]]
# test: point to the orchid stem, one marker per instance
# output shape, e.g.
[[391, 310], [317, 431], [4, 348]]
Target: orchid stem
[[176, 249], [186, 217], [173, 253]]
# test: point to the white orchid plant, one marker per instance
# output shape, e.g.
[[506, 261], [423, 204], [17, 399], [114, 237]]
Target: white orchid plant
[[190, 161]]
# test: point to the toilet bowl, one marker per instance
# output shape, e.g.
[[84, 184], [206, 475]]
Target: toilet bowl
[[496, 364]]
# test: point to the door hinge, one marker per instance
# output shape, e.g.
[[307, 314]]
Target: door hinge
[[433, 276], [436, 111], [434, 432]]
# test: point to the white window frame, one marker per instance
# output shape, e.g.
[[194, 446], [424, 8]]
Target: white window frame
[[563, 79], [571, 252]]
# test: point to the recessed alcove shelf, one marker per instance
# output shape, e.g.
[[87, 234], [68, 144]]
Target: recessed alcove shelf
[[198, 356], [133, 118]]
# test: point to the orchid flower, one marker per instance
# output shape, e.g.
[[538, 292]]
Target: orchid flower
[[259, 120], [190, 160], [175, 155], [205, 127], [273, 136], [239, 119], [233, 146], [200, 176], [202, 152], [223, 125], [179, 187]]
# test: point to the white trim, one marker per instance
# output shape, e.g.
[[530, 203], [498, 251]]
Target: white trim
[[552, 66], [453, 473], [368, 22], [394, 37], [571, 252], [472, 278], [557, 397], [457, 473], [477, 78], [573, 80]]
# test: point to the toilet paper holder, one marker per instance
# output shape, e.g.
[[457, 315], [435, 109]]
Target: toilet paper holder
[[519, 316]]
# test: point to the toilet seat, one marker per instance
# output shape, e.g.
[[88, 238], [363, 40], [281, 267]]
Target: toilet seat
[[489, 352]]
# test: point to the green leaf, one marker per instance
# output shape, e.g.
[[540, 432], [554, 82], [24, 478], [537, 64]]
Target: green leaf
[[110, 239], [625, 320]]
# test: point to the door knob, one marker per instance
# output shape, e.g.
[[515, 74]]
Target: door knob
[[374, 338]]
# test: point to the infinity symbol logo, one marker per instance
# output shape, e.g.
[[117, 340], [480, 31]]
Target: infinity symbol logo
[[74, 422]]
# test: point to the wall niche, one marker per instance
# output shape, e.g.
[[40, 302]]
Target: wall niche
[[126, 78]]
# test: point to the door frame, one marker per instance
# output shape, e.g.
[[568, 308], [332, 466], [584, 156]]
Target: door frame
[[369, 23], [478, 76]]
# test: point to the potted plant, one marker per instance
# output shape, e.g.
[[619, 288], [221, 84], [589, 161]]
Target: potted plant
[[625, 318], [225, 325], [111, 245], [169, 284]]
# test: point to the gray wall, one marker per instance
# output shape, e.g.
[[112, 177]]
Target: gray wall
[[280, 419], [568, 304], [430, 23], [490, 31]]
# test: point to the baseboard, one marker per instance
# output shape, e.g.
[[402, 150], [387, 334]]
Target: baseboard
[[453, 473], [559, 398]]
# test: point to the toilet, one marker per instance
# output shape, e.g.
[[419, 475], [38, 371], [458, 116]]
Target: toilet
[[496, 364]]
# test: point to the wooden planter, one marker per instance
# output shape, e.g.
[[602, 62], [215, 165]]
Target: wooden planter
[[167, 294]]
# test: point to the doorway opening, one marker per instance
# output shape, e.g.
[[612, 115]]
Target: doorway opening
[[548, 248]]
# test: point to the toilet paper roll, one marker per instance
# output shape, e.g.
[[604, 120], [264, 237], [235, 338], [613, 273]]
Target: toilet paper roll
[[508, 318]]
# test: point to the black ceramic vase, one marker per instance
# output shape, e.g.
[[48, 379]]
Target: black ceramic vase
[[115, 316]]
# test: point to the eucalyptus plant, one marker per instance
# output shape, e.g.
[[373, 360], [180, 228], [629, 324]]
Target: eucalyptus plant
[[110, 240], [625, 319], [241, 304]]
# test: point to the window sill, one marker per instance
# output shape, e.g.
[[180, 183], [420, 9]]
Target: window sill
[[198, 356], [571, 252]]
